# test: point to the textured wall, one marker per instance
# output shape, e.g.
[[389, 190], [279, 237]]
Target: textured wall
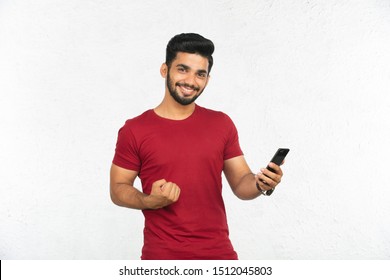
[[313, 76]]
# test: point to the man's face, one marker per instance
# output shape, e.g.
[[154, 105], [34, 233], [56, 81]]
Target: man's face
[[187, 77]]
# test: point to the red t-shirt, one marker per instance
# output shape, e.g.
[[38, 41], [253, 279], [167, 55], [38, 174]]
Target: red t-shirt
[[190, 153]]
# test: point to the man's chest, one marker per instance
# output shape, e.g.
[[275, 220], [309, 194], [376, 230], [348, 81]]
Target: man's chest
[[182, 146]]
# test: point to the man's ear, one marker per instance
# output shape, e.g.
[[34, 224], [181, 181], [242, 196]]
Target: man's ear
[[164, 70]]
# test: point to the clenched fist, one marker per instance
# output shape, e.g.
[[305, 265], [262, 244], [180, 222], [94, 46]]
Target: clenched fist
[[163, 194]]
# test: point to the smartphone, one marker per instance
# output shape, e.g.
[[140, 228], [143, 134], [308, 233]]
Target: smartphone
[[278, 158]]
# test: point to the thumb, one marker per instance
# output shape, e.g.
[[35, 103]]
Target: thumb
[[159, 183]]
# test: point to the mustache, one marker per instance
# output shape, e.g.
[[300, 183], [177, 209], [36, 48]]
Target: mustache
[[188, 85]]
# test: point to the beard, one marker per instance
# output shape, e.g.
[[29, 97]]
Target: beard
[[182, 99]]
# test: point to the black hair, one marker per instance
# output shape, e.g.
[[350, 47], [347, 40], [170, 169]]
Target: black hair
[[189, 43]]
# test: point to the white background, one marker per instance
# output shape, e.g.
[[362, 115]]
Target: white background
[[313, 76]]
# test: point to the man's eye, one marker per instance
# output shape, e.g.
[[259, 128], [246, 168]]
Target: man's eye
[[181, 70]]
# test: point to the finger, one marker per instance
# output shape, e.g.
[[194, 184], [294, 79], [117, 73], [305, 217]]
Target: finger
[[166, 188], [273, 176], [264, 187], [159, 183], [264, 182], [274, 172], [171, 191], [275, 168], [176, 193], [158, 187]]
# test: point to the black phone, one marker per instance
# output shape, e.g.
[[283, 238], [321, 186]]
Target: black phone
[[278, 158]]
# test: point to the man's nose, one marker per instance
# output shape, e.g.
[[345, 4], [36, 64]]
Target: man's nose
[[190, 79]]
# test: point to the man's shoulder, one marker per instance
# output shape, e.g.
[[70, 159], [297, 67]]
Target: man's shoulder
[[211, 114], [144, 117], [138, 122]]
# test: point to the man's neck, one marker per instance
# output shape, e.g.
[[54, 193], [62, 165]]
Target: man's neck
[[170, 109]]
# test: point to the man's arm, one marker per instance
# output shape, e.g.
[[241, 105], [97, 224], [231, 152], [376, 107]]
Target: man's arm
[[243, 181], [123, 193]]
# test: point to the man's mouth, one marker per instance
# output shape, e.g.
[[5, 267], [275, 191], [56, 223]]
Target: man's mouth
[[187, 89]]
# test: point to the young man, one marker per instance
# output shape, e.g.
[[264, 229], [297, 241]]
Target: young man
[[179, 151]]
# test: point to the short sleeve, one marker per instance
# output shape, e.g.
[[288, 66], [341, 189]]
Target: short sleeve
[[126, 151], [232, 146]]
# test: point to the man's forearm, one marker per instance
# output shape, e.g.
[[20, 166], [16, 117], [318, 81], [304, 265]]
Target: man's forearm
[[128, 196], [246, 188]]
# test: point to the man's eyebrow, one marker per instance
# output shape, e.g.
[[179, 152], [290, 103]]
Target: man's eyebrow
[[201, 71], [186, 67]]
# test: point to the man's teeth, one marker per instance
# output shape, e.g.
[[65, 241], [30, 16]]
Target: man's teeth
[[187, 89]]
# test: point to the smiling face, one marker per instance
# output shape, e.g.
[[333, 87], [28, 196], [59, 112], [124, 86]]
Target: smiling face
[[186, 78]]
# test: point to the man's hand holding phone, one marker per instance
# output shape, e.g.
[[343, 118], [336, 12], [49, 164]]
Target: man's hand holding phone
[[270, 177]]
